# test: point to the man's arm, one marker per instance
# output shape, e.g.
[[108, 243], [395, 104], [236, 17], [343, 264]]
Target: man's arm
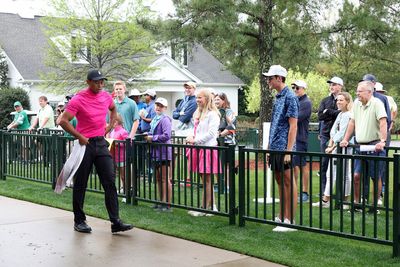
[[45, 120], [382, 134], [113, 117], [34, 123], [292, 133], [291, 137], [188, 113], [177, 111], [65, 117], [134, 129], [304, 111], [348, 134]]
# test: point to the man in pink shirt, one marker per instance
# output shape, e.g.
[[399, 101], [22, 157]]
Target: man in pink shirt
[[90, 106]]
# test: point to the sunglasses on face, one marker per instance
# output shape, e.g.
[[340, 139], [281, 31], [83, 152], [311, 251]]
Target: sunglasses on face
[[295, 87]]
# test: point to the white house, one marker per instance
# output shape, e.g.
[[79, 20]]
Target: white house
[[24, 45]]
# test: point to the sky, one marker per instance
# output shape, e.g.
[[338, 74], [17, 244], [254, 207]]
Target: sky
[[29, 8]]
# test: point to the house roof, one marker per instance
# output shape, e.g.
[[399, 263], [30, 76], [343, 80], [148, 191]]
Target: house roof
[[24, 42]]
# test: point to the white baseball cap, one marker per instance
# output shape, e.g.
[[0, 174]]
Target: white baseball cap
[[150, 92], [300, 83], [60, 104], [162, 101], [190, 84], [336, 80], [379, 87], [277, 70], [135, 92]]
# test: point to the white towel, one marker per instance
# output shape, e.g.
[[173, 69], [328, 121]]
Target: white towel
[[65, 178]]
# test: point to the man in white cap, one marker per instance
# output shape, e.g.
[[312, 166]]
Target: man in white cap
[[303, 122], [127, 108], [184, 112], [282, 137], [327, 113]]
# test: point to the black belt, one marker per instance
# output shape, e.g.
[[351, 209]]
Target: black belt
[[96, 138], [370, 143]]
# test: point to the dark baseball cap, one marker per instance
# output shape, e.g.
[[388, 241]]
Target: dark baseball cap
[[369, 77], [95, 75]]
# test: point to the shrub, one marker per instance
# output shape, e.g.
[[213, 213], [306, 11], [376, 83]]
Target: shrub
[[7, 98]]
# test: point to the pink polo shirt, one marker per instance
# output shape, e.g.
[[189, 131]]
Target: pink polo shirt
[[90, 110]]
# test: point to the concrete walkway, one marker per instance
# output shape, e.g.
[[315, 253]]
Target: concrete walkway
[[34, 235]]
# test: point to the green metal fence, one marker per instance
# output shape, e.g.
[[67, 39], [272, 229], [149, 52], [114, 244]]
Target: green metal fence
[[40, 157], [360, 219]]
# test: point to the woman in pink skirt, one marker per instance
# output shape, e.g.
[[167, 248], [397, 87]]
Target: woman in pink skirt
[[205, 161]]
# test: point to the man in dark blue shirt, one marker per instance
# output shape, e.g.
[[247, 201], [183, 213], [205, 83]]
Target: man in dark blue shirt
[[303, 121]]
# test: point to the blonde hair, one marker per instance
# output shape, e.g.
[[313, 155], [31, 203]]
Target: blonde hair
[[201, 112], [119, 83], [348, 99]]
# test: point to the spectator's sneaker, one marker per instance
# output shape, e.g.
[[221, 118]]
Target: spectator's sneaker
[[119, 226], [373, 210], [284, 229], [196, 213], [164, 208], [304, 197], [380, 201], [346, 207], [325, 204], [82, 227]]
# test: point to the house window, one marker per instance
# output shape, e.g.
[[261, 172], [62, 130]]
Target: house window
[[179, 53], [80, 48]]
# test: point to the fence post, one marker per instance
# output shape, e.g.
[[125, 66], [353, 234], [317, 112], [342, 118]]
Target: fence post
[[128, 170], [2, 156], [134, 173], [241, 186], [53, 161], [396, 205], [232, 191], [339, 177]]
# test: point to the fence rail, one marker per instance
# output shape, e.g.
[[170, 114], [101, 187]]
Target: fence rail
[[251, 196]]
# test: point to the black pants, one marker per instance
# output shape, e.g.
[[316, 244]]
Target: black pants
[[96, 153], [324, 161]]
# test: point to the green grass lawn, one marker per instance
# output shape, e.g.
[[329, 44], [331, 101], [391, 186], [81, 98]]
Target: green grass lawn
[[294, 249]]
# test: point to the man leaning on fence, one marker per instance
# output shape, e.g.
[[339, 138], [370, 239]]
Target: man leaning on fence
[[21, 121], [368, 121], [90, 106], [282, 137]]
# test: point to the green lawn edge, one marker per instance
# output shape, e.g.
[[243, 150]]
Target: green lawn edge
[[293, 249]]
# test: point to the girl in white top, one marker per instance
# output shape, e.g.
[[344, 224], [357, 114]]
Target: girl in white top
[[344, 103], [205, 161]]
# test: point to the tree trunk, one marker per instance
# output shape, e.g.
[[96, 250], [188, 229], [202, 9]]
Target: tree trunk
[[265, 44]]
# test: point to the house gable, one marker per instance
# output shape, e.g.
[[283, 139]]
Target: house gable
[[168, 70]]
